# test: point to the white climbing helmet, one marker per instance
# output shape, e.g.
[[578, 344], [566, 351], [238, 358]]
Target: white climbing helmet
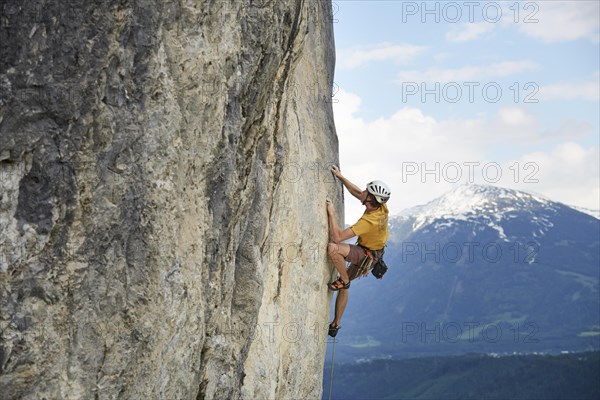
[[379, 190]]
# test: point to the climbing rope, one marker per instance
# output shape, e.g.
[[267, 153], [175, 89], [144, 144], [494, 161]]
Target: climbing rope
[[333, 275], [333, 271], [331, 373]]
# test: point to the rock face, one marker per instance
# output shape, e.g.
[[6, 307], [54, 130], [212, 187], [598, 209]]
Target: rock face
[[164, 166]]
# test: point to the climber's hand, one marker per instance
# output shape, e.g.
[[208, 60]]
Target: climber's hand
[[330, 209], [336, 171]]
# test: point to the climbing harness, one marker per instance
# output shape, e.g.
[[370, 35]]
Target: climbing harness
[[366, 263]]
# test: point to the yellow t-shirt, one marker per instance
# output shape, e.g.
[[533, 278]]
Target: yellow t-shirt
[[372, 228]]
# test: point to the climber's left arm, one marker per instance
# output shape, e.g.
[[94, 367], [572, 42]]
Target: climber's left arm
[[337, 235]]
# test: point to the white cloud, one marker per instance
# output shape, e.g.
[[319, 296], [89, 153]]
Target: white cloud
[[589, 90], [568, 173], [516, 117], [389, 148], [467, 32], [559, 21], [569, 129], [468, 73], [358, 56]]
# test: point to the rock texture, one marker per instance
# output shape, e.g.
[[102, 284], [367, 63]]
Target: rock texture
[[163, 174]]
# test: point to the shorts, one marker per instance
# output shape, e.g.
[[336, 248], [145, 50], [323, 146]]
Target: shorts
[[355, 257]]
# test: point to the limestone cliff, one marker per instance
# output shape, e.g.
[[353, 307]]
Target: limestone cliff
[[163, 174]]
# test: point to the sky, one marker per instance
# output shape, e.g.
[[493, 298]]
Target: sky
[[430, 95]]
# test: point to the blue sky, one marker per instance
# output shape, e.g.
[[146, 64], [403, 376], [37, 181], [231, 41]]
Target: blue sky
[[503, 93]]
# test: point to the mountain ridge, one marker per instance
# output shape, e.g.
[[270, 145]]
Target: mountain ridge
[[480, 204], [484, 192]]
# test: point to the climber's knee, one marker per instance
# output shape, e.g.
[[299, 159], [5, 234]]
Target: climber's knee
[[340, 250], [333, 249]]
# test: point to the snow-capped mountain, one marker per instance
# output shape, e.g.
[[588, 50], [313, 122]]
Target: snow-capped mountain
[[476, 257], [482, 207], [471, 200], [588, 211]]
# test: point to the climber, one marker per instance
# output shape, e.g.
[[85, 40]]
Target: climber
[[372, 232]]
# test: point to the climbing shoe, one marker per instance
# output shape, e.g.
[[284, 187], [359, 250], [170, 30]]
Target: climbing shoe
[[333, 331], [338, 284]]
